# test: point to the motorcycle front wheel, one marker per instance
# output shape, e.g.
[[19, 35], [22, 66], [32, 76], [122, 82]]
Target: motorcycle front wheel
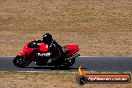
[[21, 61]]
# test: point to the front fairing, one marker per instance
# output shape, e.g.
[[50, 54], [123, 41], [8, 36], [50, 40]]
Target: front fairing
[[26, 50], [42, 48]]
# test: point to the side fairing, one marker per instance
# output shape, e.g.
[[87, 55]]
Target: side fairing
[[72, 49], [43, 47]]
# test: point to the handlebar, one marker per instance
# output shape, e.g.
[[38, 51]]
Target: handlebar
[[32, 44]]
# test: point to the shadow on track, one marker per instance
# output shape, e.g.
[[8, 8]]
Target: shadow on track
[[55, 68]]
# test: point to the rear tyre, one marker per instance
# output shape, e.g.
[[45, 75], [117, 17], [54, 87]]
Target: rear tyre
[[65, 67], [72, 61], [61, 67], [21, 61], [66, 64]]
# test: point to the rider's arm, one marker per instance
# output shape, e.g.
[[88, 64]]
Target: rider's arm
[[38, 41], [58, 48]]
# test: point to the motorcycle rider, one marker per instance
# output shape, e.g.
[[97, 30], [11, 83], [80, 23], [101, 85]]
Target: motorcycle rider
[[55, 49]]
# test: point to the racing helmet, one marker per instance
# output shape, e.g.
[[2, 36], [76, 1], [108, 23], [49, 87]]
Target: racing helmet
[[47, 38]]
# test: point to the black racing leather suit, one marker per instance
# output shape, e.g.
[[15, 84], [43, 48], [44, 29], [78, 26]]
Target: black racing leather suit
[[55, 49]]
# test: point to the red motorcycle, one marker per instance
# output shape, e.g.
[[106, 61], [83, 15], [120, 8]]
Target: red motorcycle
[[38, 52]]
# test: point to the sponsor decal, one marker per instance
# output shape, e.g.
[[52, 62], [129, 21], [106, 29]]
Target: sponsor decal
[[44, 54]]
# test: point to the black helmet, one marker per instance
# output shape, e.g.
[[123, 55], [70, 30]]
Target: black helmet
[[47, 38]]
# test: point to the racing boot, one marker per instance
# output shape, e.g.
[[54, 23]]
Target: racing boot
[[50, 62]]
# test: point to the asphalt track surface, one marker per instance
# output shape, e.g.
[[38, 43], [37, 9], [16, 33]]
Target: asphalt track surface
[[116, 64]]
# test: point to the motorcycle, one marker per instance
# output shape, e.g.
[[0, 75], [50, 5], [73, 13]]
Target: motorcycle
[[38, 52]]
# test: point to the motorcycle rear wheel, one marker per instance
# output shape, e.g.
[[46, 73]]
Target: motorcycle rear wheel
[[66, 64], [62, 67], [21, 61]]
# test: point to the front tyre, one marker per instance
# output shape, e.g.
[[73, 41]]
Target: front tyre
[[21, 61]]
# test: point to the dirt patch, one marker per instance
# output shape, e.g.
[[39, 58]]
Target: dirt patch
[[100, 27]]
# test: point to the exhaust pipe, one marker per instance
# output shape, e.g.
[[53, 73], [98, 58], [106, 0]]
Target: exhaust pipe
[[73, 56]]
